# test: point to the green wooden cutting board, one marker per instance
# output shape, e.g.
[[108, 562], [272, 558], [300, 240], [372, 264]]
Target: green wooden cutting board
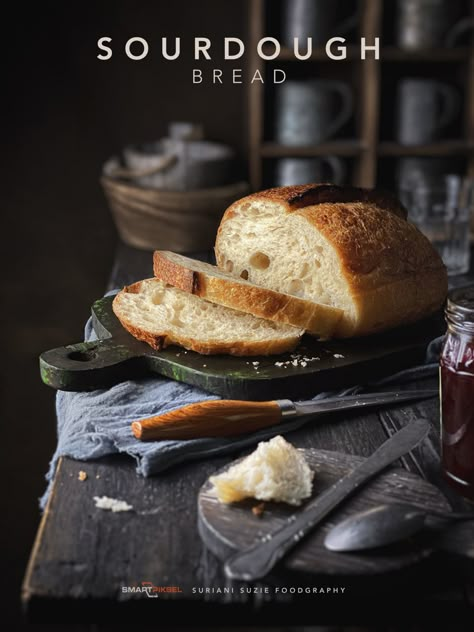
[[313, 367]]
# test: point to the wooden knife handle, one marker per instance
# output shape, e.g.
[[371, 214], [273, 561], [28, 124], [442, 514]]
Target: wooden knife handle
[[215, 418]]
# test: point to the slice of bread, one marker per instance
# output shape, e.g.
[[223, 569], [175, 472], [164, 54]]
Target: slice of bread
[[214, 285], [162, 315], [276, 471], [316, 242]]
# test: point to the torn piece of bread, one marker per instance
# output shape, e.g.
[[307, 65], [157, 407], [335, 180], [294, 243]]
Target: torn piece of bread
[[276, 471], [319, 243], [211, 283], [162, 315]]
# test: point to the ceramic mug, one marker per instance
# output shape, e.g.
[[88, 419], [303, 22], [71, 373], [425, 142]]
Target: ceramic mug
[[318, 19], [291, 171], [311, 111], [423, 108], [423, 24]]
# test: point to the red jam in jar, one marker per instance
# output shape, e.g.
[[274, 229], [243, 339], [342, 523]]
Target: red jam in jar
[[457, 392]]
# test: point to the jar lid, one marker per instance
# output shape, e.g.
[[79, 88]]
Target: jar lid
[[462, 297], [460, 307]]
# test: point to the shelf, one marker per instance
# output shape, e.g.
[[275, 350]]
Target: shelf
[[392, 53], [441, 148], [335, 147], [366, 152]]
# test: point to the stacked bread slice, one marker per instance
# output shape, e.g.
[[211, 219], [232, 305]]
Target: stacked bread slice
[[214, 285], [326, 260], [197, 306], [161, 315]]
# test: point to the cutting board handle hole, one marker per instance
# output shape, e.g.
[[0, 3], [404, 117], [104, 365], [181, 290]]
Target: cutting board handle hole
[[83, 356]]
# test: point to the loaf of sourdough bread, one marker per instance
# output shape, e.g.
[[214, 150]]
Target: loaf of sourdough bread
[[212, 284], [342, 246], [162, 315]]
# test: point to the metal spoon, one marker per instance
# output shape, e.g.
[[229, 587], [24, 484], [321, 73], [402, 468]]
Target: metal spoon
[[386, 524]]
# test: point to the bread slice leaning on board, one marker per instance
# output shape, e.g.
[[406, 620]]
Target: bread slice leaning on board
[[162, 315], [342, 246], [212, 284]]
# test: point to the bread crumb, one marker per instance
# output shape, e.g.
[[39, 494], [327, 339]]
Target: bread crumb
[[204, 366], [338, 355], [255, 363], [111, 504], [258, 510], [303, 364], [82, 475]]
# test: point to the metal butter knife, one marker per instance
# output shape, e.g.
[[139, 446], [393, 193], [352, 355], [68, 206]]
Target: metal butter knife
[[255, 562], [227, 417]]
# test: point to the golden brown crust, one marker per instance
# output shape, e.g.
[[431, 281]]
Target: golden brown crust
[[133, 289], [394, 274], [368, 240], [402, 302], [315, 318], [165, 339], [296, 197], [174, 274]]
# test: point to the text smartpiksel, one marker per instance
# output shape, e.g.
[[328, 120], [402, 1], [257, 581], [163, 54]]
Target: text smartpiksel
[[233, 48]]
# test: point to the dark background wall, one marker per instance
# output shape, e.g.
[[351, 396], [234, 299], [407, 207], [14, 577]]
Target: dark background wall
[[66, 113]]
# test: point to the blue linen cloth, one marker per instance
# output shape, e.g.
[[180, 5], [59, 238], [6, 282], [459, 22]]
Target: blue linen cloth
[[96, 424]]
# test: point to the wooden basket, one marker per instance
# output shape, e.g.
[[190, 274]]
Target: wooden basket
[[182, 221]]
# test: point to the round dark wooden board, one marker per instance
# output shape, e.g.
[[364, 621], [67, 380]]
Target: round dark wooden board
[[228, 528]]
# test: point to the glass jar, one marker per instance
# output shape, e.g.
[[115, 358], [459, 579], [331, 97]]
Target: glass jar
[[457, 392]]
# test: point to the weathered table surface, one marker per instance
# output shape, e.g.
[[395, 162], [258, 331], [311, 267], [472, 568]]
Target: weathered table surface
[[82, 557]]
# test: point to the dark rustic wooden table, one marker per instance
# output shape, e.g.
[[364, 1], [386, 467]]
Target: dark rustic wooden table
[[83, 557]]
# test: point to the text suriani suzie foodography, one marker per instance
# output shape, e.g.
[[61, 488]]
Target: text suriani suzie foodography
[[267, 48], [283, 590]]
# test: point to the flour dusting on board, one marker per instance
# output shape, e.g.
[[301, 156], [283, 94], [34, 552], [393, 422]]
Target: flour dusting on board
[[111, 504]]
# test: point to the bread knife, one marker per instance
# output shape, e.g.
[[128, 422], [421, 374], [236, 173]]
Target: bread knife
[[258, 560], [227, 417]]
